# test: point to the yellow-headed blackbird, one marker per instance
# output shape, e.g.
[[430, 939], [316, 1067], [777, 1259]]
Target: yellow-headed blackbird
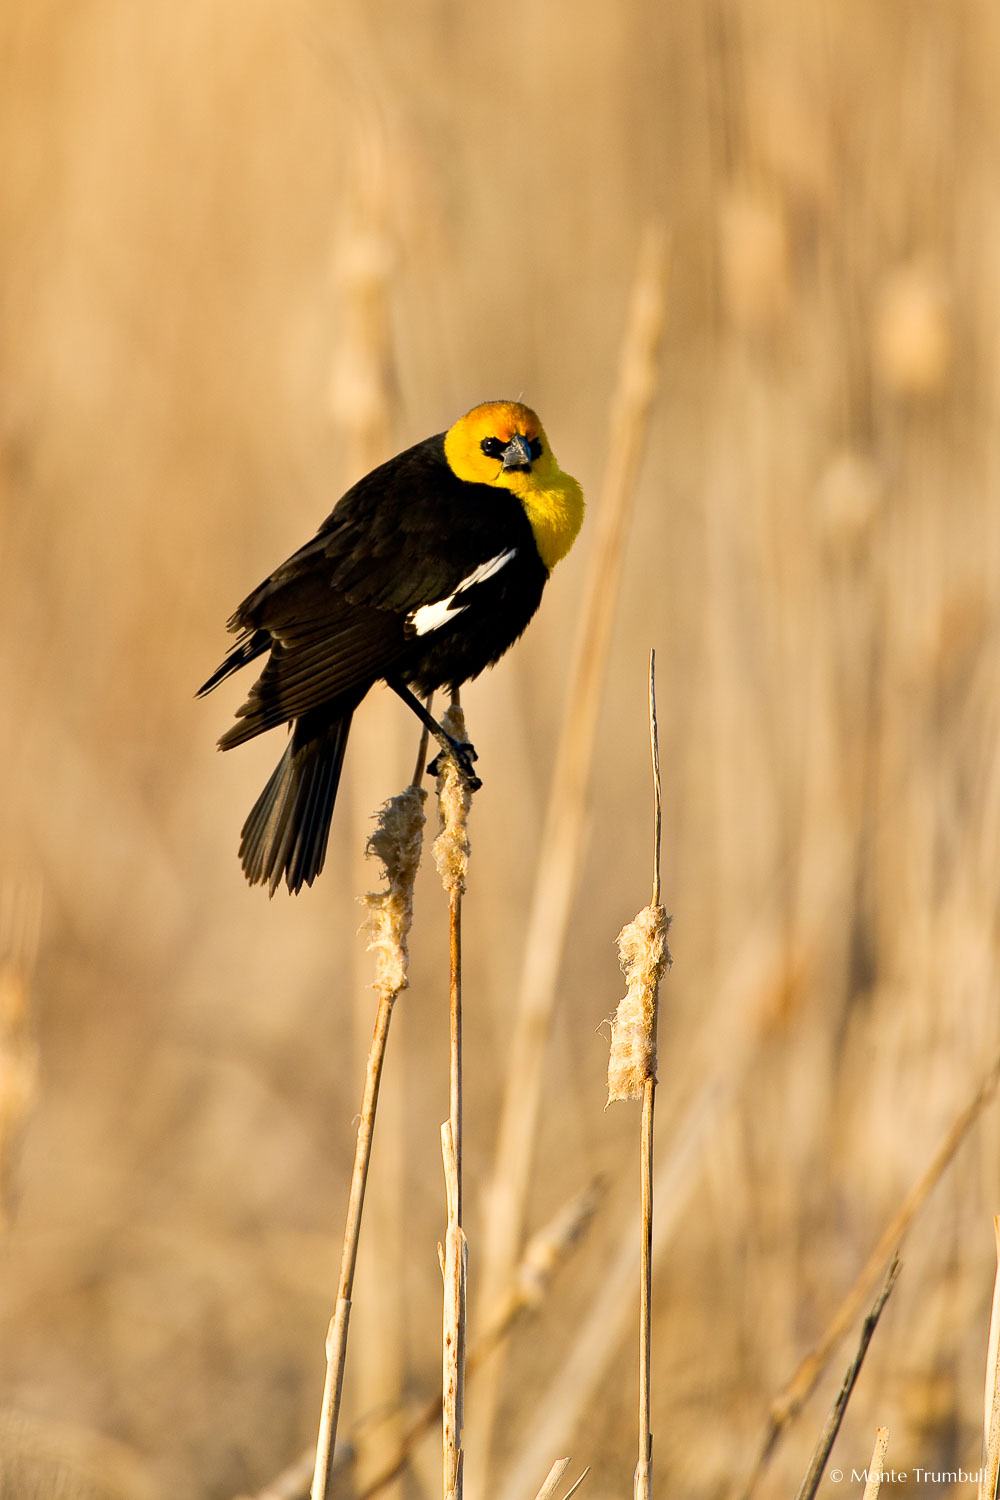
[[424, 573]]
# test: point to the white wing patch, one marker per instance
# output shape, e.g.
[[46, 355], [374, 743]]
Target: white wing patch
[[432, 616]]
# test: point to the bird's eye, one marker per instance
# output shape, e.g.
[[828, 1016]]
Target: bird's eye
[[535, 448], [492, 447]]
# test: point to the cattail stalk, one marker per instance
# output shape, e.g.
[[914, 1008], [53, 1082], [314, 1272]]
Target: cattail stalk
[[544, 1255], [560, 857], [874, 1481], [396, 842], [991, 1404], [632, 1074], [451, 855]]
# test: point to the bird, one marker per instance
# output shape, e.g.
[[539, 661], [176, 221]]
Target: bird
[[424, 573]]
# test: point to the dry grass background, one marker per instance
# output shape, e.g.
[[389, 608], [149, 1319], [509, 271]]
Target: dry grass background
[[192, 196]]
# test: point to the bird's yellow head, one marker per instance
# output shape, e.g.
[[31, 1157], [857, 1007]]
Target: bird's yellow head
[[503, 443]]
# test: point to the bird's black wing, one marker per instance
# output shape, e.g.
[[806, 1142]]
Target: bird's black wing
[[405, 535], [334, 614]]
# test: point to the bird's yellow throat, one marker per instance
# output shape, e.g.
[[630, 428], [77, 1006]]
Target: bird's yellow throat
[[552, 499]]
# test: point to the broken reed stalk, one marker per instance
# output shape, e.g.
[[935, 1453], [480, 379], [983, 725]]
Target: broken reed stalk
[[789, 1401], [552, 1478], [644, 957], [562, 837], [991, 1403], [828, 1436], [555, 1474], [874, 1481], [396, 842], [545, 1254], [451, 855]]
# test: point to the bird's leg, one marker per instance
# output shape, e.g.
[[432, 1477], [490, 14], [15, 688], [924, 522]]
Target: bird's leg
[[463, 755]]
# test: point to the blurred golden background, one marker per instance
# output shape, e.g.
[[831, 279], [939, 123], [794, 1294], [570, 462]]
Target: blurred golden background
[[248, 249]]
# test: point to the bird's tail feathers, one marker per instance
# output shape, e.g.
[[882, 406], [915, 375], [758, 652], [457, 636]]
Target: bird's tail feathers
[[251, 644], [287, 831]]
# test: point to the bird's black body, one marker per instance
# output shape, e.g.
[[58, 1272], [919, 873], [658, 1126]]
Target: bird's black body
[[388, 588]]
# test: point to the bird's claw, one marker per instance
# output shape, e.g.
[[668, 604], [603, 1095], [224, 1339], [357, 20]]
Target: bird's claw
[[463, 755]]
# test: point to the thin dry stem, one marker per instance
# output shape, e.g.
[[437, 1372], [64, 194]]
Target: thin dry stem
[[654, 755], [644, 1465], [362, 379], [544, 1255], [363, 395], [453, 1345], [786, 1406], [991, 1403], [552, 1479], [874, 1481], [831, 1426], [744, 1013], [559, 862], [451, 854], [396, 842]]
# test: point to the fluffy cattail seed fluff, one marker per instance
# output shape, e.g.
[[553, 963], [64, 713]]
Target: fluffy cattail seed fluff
[[644, 957], [397, 842], [451, 847]]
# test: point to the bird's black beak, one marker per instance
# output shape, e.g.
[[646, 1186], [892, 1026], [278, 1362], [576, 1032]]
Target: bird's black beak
[[517, 454]]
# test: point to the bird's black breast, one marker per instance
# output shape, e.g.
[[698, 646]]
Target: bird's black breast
[[410, 535], [345, 609], [486, 618]]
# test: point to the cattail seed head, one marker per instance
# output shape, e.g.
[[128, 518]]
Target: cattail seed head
[[451, 847], [644, 958], [397, 842]]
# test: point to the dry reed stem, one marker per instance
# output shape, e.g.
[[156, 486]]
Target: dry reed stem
[[451, 855], [644, 1465], [552, 1479], [559, 859], [828, 1436], [787, 1404], [744, 1014], [362, 391], [20, 921], [396, 842], [632, 1071], [545, 1253], [874, 1481], [362, 378], [991, 1404], [453, 1340]]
